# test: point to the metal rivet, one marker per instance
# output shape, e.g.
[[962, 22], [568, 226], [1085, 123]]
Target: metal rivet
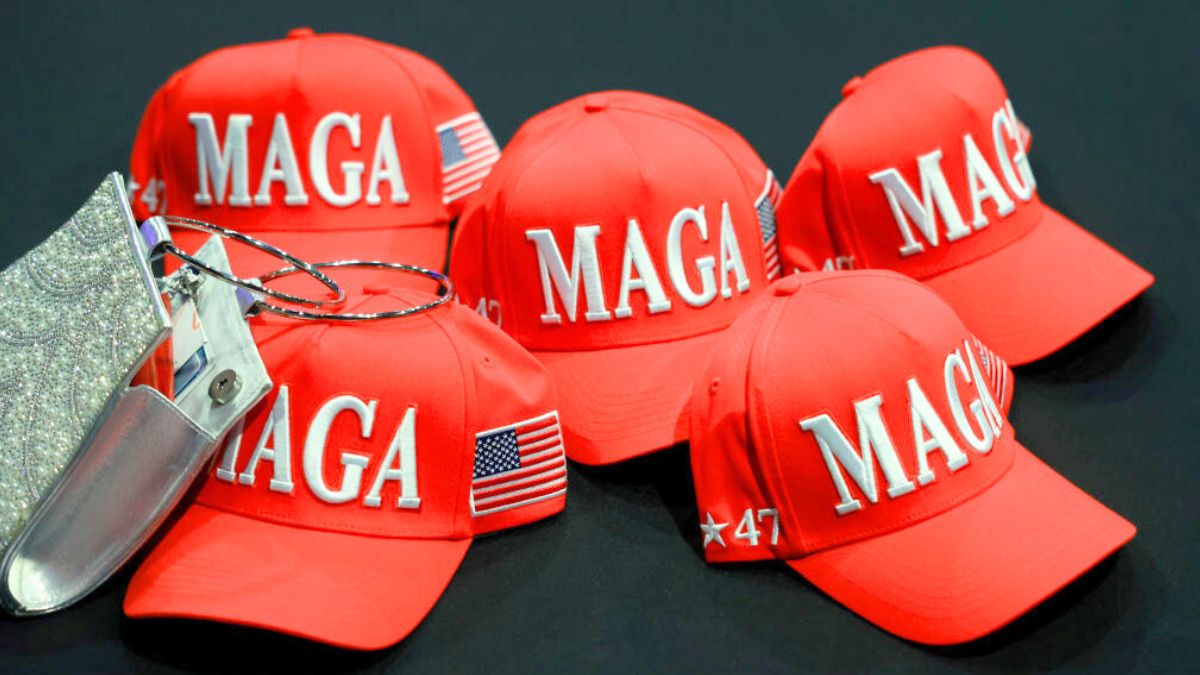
[[225, 386]]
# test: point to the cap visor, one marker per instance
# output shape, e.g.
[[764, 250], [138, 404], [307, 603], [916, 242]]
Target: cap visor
[[1039, 293], [350, 591], [616, 404], [423, 246], [971, 570]]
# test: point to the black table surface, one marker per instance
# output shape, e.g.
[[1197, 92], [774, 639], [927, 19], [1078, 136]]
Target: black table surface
[[617, 582]]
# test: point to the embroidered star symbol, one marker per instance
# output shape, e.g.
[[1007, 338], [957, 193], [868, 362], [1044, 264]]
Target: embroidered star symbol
[[712, 531]]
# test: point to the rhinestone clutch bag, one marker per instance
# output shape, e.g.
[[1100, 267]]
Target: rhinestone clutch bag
[[78, 315], [90, 466]]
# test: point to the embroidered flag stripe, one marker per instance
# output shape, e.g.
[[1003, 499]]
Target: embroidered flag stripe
[[519, 464], [468, 152], [471, 167], [765, 205]]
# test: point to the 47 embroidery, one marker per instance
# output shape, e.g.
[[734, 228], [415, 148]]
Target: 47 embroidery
[[747, 529]]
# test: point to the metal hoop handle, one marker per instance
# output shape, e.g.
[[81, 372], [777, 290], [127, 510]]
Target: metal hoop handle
[[158, 223], [442, 280]]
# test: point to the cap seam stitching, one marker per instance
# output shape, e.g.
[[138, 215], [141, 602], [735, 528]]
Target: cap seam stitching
[[878, 316], [873, 272], [850, 233], [430, 133], [513, 185], [467, 426], [634, 158], [762, 344], [750, 195]]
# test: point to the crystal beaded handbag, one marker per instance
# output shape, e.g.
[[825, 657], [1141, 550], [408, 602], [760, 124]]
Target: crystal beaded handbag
[[89, 465]]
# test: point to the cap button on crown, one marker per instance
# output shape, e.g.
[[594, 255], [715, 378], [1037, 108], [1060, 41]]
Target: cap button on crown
[[297, 33], [595, 103], [851, 86]]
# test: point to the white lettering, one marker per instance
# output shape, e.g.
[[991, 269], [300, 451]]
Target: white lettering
[[874, 440], [983, 441], [314, 449], [215, 163], [554, 273], [638, 269], [982, 184], [935, 193], [925, 417], [404, 448], [278, 427], [1004, 123], [990, 409], [318, 157], [386, 167], [978, 172], [930, 433], [227, 469], [638, 258], [731, 256], [280, 165], [705, 265]]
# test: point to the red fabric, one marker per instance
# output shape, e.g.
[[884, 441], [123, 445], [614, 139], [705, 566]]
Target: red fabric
[[603, 159], [1034, 313], [250, 547], [832, 215], [816, 344], [306, 77], [345, 590], [620, 404], [977, 567]]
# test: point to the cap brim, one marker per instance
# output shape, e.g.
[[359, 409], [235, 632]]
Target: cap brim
[[350, 591], [1042, 291], [620, 403], [420, 245], [971, 570]]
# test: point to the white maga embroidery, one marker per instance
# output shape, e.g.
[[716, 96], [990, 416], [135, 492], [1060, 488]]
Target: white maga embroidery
[[561, 282], [930, 433], [937, 198]]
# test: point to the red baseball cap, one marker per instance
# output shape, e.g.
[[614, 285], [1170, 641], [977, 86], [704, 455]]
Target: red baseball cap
[[849, 429], [329, 146], [616, 239], [923, 169], [343, 506]]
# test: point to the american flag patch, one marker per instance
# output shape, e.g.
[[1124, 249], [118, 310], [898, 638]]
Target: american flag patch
[[519, 464], [765, 206], [468, 153], [993, 368]]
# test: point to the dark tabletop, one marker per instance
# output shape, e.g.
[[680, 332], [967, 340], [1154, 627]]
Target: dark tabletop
[[617, 583]]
